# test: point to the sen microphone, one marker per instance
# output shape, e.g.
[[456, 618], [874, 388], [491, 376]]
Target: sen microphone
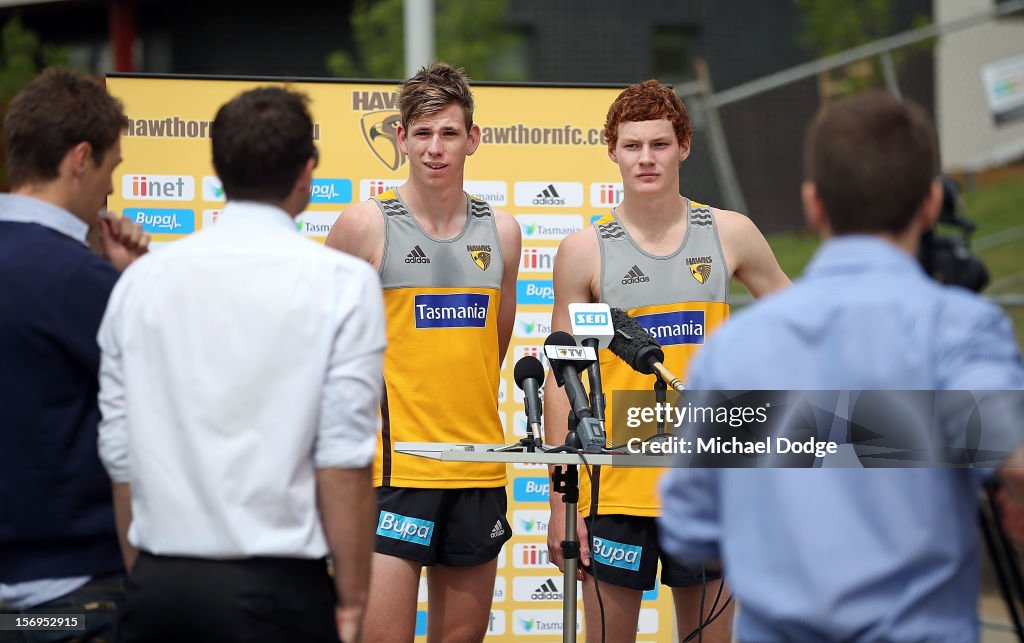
[[529, 374], [635, 346]]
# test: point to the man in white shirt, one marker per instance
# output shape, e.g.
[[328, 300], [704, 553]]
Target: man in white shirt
[[240, 381]]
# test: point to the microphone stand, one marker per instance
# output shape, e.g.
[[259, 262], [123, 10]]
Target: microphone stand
[[565, 479]]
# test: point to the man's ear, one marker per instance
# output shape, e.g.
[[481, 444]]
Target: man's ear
[[403, 139], [474, 139], [814, 209], [78, 158], [684, 151], [928, 211]]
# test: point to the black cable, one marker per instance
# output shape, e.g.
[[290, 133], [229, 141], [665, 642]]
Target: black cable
[[700, 613], [711, 620]]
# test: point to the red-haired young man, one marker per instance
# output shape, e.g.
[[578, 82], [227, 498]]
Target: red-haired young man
[[667, 260]]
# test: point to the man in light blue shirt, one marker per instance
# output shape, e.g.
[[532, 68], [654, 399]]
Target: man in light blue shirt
[[852, 554]]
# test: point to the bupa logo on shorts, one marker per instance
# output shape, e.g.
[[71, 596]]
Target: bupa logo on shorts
[[399, 527], [163, 220], [614, 554], [331, 191], [456, 310], [535, 291], [669, 329], [530, 489]]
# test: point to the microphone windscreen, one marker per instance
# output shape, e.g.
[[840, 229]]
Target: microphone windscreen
[[528, 367], [629, 337], [560, 338]]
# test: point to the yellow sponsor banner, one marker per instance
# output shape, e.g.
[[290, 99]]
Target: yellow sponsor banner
[[542, 159]]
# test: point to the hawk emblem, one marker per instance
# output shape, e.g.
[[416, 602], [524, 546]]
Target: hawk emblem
[[701, 272], [481, 256], [380, 131]]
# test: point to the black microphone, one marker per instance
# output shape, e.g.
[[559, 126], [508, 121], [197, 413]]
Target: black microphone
[[635, 346], [529, 374], [564, 356]]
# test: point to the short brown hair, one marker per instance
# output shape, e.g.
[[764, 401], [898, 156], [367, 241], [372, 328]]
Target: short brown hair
[[261, 140], [647, 101], [432, 89], [872, 159], [56, 111]]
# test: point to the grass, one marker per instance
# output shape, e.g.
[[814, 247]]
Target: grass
[[995, 208]]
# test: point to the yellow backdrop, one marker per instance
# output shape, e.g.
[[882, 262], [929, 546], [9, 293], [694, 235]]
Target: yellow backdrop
[[542, 159]]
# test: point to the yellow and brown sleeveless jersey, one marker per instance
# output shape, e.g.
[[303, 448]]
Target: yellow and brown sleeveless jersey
[[441, 299], [679, 298]]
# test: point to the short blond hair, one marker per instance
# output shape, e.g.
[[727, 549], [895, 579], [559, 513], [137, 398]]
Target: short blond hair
[[432, 89]]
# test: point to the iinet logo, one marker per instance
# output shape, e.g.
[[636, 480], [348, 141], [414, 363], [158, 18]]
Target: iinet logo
[[158, 187]]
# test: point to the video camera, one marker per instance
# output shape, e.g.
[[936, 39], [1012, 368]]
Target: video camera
[[948, 259]]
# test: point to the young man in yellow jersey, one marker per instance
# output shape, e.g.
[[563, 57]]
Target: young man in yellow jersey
[[667, 261], [448, 265]]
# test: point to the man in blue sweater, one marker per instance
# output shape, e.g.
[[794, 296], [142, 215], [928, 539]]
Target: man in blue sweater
[[58, 543]]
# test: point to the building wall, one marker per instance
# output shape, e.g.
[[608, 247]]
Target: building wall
[[969, 138]]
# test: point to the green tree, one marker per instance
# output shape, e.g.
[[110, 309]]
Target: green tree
[[469, 33], [22, 56], [831, 26]]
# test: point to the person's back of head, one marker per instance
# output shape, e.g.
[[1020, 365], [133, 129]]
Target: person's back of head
[[55, 112], [873, 160], [432, 89], [647, 101], [262, 140]]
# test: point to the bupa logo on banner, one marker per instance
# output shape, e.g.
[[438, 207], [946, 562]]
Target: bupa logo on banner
[[456, 310], [331, 191], [669, 329], [530, 489], [163, 220], [535, 291]]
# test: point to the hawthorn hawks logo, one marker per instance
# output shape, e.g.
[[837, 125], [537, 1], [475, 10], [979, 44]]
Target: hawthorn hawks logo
[[380, 131], [481, 256], [700, 268]]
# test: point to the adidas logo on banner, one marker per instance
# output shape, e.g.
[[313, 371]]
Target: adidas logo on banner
[[416, 255], [547, 592], [499, 530], [548, 196], [634, 276]]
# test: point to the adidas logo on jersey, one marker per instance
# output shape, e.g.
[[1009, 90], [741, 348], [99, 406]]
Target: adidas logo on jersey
[[635, 276], [499, 530], [416, 255]]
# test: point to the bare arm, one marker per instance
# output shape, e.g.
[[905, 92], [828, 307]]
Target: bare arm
[[748, 254], [511, 239], [576, 268], [122, 520], [359, 231], [348, 508]]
